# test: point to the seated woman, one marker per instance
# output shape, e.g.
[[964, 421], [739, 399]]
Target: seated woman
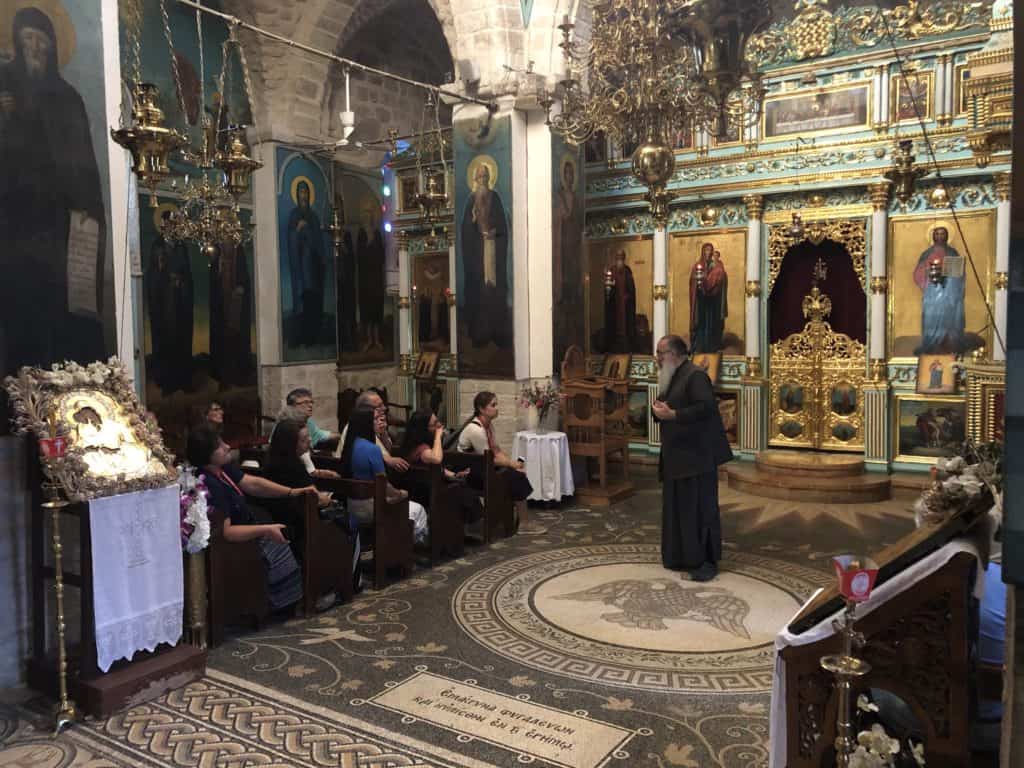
[[422, 445], [477, 436], [284, 466], [362, 459], [227, 487]]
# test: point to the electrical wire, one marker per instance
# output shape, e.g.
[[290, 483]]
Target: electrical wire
[[951, 202], [491, 105]]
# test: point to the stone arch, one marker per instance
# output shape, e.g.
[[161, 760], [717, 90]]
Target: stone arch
[[383, 40], [300, 84]]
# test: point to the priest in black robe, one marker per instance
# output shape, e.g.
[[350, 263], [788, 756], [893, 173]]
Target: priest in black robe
[[693, 445], [49, 179]]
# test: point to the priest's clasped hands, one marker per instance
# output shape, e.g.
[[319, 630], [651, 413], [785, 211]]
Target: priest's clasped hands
[[662, 412]]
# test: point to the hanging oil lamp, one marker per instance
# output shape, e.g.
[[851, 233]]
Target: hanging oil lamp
[[903, 174], [235, 162], [148, 139]]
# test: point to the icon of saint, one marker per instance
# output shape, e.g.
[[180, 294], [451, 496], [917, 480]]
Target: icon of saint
[[940, 276]]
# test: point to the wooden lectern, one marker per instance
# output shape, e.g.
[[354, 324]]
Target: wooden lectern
[[918, 644], [595, 419]]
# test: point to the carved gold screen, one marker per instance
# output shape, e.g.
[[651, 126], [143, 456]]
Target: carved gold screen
[[816, 385]]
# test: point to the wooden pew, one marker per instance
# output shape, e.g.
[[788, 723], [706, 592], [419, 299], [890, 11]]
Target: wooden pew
[[237, 586], [447, 533], [325, 548], [390, 535], [499, 510], [327, 554]]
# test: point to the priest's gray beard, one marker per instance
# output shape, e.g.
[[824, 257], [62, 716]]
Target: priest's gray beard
[[665, 373]]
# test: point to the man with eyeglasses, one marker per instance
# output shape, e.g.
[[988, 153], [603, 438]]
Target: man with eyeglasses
[[693, 445], [302, 399]]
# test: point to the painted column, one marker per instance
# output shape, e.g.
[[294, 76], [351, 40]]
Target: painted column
[[660, 275], [453, 310], [537, 337], [752, 333], [876, 390], [404, 302], [940, 90], [1002, 281], [879, 284], [752, 427]]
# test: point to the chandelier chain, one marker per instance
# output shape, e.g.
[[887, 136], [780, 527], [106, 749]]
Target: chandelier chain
[[250, 92], [174, 63]]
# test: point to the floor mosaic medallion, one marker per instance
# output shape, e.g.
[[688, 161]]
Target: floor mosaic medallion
[[611, 614]]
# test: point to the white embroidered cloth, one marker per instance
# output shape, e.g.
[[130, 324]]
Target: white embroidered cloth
[[136, 572], [902, 581], [548, 466]]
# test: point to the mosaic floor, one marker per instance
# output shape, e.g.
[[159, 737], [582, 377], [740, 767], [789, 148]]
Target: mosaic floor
[[572, 648]]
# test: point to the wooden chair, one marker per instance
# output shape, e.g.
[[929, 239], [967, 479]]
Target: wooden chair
[[390, 535], [447, 535], [237, 582], [595, 417], [499, 511]]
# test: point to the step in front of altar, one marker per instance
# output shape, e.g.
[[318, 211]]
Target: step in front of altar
[[807, 476]]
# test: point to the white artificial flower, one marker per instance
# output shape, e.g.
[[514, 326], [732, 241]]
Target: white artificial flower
[[878, 741], [864, 705], [953, 465], [861, 758], [918, 753]]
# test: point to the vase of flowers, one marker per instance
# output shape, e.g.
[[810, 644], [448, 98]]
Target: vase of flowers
[[538, 400]]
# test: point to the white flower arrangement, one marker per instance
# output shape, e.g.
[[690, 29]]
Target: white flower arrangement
[[876, 749], [195, 519], [972, 478]]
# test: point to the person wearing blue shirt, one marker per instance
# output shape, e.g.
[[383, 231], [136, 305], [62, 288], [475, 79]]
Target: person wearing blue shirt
[[362, 459], [992, 634]]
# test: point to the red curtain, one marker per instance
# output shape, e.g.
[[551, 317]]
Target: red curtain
[[841, 284]]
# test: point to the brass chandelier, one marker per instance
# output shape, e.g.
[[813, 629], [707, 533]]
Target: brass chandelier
[[432, 199], [653, 66], [208, 214]]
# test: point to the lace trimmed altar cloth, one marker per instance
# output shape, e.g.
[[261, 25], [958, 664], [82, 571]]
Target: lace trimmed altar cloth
[[137, 575]]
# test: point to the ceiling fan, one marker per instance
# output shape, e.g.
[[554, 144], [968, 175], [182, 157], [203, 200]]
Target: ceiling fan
[[346, 144]]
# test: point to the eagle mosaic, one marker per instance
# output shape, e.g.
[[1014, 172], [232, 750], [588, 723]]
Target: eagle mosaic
[[648, 604]]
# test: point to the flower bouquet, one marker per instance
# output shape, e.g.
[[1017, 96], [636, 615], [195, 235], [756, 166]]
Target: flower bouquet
[[876, 748], [971, 480], [195, 521], [539, 398]]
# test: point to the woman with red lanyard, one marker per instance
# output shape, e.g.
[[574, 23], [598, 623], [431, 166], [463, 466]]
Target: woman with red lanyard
[[477, 436], [227, 488]]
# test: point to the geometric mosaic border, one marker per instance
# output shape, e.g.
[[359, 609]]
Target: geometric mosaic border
[[494, 607]]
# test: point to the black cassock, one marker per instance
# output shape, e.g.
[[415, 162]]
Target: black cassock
[[693, 445]]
